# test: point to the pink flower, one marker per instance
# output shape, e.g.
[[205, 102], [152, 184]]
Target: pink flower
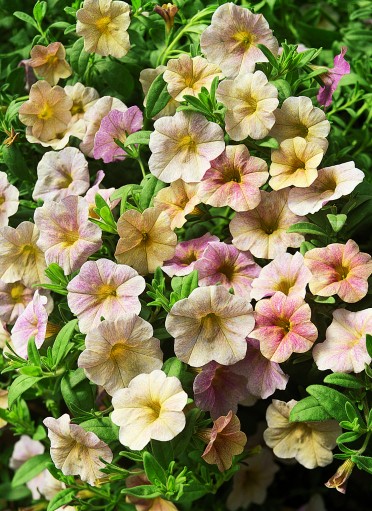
[[8, 199], [105, 193], [15, 297], [234, 180], [66, 235], [186, 255], [116, 125], [344, 349], [339, 270], [286, 273], [225, 264], [332, 77], [25, 449], [283, 327], [104, 289], [178, 200]]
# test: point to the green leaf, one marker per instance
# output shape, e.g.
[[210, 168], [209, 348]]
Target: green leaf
[[363, 463], [369, 344], [157, 97], [337, 221], [139, 137], [150, 187], [349, 436], [283, 87], [20, 385], [325, 299], [26, 18], [61, 499], [174, 367], [155, 473], [103, 427], [31, 468], [39, 11], [331, 400], [7, 492], [32, 352], [163, 452], [270, 57], [307, 228], [344, 380], [145, 491], [15, 162], [79, 57], [77, 391], [189, 283], [60, 345], [308, 410]]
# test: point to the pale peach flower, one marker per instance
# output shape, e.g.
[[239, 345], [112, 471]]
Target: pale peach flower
[[178, 200], [3, 405], [25, 449], [83, 99], [9, 202], [49, 62], [147, 76], [15, 297], [74, 129]]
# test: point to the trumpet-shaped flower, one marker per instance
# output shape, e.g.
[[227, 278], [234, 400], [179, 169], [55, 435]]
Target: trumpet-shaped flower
[[150, 408], [344, 349], [25, 449], [183, 146], [83, 98], [250, 102], [283, 326], [105, 193], [9, 202], [49, 62], [74, 129], [211, 324], [339, 270], [332, 77], [234, 179], [231, 41], [15, 297], [178, 200], [263, 231], [67, 237], [147, 76]]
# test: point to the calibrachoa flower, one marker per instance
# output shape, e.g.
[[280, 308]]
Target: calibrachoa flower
[[49, 62], [103, 25], [104, 289], [3, 405], [332, 77], [167, 12], [76, 451], [211, 324], [283, 326], [9, 202], [310, 443], [234, 179], [147, 76], [250, 102], [60, 174], [232, 38], [295, 163], [83, 98], [74, 129], [286, 273], [186, 255], [116, 125], [47, 110], [339, 270], [344, 349], [225, 264], [178, 200], [183, 146], [298, 117], [187, 76], [150, 408], [105, 193], [225, 440], [263, 231], [146, 239], [331, 184], [340, 478], [117, 351], [14, 298], [25, 449], [20, 257], [67, 237]]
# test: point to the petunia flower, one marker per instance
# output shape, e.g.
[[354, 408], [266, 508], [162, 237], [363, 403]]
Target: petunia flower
[[15, 297], [103, 25], [29, 76], [186, 255], [83, 99], [178, 200], [156, 504], [3, 405], [47, 110], [232, 38], [183, 146], [104, 288], [234, 179], [295, 163], [310, 443], [263, 231], [226, 265], [67, 237], [74, 128], [250, 102], [116, 125], [60, 174], [331, 184], [24, 449], [340, 478], [9, 202], [146, 239], [150, 408], [186, 76], [344, 349], [332, 77], [211, 324], [49, 62], [339, 270], [286, 273], [298, 117], [283, 326], [147, 76], [105, 193], [167, 12], [76, 451]]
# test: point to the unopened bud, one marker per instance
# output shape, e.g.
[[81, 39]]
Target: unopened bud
[[339, 479], [167, 12]]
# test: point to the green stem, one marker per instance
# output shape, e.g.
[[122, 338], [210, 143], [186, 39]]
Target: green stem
[[140, 162]]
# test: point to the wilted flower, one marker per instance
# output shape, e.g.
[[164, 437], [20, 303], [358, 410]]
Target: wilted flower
[[49, 62], [310, 443], [30, 77], [103, 25], [147, 76], [234, 179], [178, 200], [344, 349], [60, 174], [67, 237], [183, 146], [211, 324], [250, 102], [263, 231], [9, 196], [152, 405], [15, 297], [76, 451], [3, 405], [168, 13], [146, 239], [340, 478], [339, 270], [83, 98], [232, 38], [332, 77]]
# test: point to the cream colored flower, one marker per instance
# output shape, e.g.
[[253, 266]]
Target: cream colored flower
[[3, 405], [75, 128], [49, 62], [103, 25], [147, 76], [178, 200], [83, 98]]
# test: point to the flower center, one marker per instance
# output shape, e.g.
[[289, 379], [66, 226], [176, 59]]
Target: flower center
[[244, 38], [2, 199], [153, 410], [342, 272], [52, 60], [27, 248], [285, 324], [231, 174], [302, 131], [189, 258], [46, 112], [106, 290], [71, 237], [210, 327], [250, 105], [227, 269], [187, 141], [284, 285], [16, 293], [117, 350], [77, 108], [103, 23]]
